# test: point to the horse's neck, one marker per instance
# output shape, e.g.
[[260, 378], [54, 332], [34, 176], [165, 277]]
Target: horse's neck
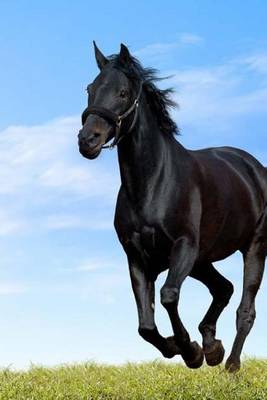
[[145, 157]]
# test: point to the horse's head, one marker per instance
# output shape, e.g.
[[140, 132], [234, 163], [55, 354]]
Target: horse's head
[[110, 96]]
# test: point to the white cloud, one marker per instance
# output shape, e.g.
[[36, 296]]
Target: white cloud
[[256, 62], [47, 156], [78, 179], [161, 48], [190, 38], [56, 222], [215, 96], [41, 172], [155, 49], [11, 288], [10, 225], [100, 280], [97, 264]]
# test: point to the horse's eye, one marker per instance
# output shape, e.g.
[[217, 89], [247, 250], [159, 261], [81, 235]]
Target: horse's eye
[[123, 93]]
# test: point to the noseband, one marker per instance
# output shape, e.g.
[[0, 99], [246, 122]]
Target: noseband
[[114, 118]]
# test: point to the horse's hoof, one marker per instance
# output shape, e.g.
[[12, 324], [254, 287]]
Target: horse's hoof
[[196, 357], [232, 365], [215, 353], [172, 348]]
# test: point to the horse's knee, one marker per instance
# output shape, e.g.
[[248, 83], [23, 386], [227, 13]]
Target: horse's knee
[[169, 296]]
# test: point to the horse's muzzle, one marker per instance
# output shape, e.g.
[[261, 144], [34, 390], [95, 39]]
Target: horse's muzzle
[[89, 144], [90, 155]]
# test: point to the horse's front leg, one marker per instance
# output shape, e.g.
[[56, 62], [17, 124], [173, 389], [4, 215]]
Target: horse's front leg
[[182, 260], [144, 292]]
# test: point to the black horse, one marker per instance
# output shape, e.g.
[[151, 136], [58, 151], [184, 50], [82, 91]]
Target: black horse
[[177, 209]]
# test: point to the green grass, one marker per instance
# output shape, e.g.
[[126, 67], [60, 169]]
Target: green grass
[[156, 380]]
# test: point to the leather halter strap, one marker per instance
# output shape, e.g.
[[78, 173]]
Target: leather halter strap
[[114, 118]]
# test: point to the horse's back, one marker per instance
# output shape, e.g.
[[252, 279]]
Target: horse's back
[[236, 164]]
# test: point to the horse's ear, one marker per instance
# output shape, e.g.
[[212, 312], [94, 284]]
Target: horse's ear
[[100, 58], [124, 54]]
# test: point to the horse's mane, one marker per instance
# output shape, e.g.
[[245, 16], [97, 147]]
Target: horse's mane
[[159, 99]]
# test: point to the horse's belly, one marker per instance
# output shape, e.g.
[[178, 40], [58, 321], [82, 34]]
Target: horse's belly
[[224, 237]]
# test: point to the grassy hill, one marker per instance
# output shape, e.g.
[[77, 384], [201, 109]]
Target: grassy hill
[[156, 380]]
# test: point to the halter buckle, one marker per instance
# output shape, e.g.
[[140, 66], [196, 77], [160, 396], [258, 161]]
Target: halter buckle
[[119, 121]]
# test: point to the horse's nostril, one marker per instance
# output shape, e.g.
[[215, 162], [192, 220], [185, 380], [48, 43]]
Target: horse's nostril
[[81, 138], [90, 140], [93, 137]]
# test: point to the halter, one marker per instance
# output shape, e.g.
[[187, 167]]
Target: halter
[[114, 118]]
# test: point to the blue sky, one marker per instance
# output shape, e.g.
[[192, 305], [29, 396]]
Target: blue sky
[[65, 294]]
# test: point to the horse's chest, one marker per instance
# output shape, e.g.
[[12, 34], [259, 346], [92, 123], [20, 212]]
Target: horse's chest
[[148, 238]]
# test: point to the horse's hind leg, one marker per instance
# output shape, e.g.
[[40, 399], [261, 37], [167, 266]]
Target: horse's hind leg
[[221, 290], [254, 260]]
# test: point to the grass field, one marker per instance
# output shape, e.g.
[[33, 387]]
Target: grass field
[[155, 380]]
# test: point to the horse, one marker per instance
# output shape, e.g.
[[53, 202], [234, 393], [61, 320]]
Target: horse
[[178, 210]]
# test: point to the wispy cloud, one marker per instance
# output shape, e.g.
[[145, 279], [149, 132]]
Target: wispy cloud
[[99, 279], [42, 173], [57, 222], [98, 264], [161, 48], [47, 156], [217, 96], [190, 38], [10, 288], [10, 224], [256, 62]]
